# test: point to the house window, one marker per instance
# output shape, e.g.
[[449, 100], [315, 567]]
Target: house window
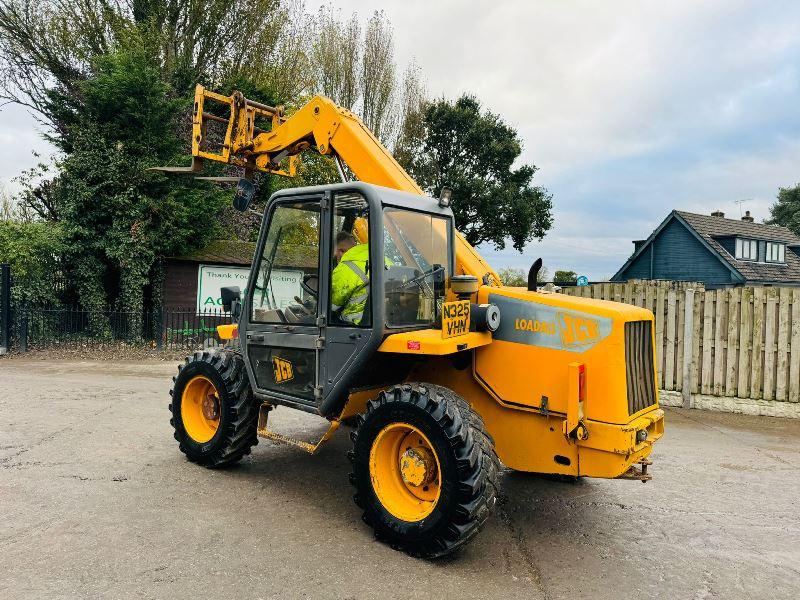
[[746, 249], [776, 252]]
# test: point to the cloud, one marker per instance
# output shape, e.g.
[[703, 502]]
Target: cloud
[[20, 138], [629, 108]]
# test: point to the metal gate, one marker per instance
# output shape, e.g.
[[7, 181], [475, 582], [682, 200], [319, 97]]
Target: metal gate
[[5, 308]]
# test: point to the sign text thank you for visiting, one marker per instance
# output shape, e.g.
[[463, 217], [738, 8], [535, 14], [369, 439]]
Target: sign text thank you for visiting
[[285, 286]]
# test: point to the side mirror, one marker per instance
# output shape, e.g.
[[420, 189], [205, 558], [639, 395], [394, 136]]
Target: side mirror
[[245, 191], [231, 300]]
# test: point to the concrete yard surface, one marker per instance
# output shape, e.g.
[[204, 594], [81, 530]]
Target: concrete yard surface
[[97, 502]]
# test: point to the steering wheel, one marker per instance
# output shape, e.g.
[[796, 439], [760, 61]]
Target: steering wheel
[[314, 293], [419, 278]]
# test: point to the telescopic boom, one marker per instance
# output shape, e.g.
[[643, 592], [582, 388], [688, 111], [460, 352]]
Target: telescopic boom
[[320, 125]]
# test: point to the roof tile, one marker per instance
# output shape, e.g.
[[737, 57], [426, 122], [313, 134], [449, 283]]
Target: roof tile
[[710, 227], [229, 252]]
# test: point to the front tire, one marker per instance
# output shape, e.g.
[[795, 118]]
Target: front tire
[[424, 469], [213, 411]]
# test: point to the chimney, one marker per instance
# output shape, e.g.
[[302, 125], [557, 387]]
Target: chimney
[[718, 213], [747, 217]]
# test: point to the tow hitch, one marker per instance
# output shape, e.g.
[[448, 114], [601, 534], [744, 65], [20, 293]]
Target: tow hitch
[[638, 474]]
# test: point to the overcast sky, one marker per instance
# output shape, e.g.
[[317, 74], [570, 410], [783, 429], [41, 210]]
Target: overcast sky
[[629, 109]]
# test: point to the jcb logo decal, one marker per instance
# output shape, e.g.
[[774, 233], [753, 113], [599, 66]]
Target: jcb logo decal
[[283, 369], [573, 330], [577, 331], [535, 324]]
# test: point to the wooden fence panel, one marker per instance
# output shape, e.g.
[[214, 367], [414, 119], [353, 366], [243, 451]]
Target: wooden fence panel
[[757, 360], [781, 351], [669, 350], [770, 327], [745, 342], [628, 292], [794, 359], [720, 337], [731, 357], [659, 315], [708, 342], [680, 333], [697, 328]]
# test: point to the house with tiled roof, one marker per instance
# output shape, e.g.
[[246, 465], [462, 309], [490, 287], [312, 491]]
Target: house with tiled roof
[[716, 251]]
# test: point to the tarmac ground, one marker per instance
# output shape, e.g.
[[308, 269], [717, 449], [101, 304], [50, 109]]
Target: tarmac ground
[[97, 502]]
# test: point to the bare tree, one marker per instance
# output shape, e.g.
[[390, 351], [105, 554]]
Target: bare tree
[[378, 79], [336, 56], [286, 69], [8, 208], [411, 129]]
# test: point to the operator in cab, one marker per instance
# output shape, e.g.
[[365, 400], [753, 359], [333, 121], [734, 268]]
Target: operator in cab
[[350, 281]]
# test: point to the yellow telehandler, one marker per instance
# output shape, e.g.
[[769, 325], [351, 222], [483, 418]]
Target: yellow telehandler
[[443, 372]]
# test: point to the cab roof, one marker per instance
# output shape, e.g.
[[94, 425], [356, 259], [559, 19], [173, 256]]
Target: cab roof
[[386, 196]]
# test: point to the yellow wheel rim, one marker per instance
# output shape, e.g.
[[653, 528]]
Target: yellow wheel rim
[[405, 472], [200, 409]]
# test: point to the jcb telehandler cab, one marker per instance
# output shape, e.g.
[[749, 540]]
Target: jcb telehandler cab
[[442, 372]]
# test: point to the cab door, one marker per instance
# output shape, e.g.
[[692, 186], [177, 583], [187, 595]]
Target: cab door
[[347, 288], [283, 328]]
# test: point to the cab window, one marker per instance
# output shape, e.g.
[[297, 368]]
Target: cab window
[[417, 265], [350, 265], [288, 268]]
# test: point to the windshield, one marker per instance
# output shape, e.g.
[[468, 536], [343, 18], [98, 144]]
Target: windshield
[[417, 265]]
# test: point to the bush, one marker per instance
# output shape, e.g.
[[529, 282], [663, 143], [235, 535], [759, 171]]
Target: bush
[[519, 277], [34, 252], [565, 277]]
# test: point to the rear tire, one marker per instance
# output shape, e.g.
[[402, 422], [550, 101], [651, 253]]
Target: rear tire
[[455, 444], [221, 376]]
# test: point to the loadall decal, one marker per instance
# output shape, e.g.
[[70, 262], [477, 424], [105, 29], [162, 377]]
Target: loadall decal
[[534, 324]]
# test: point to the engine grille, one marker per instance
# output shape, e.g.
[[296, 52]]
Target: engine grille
[[639, 365]]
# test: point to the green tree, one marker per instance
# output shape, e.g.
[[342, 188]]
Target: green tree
[[519, 277], [786, 210], [112, 82], [47, 43], [473, 152], [118, 217], [565, 277]]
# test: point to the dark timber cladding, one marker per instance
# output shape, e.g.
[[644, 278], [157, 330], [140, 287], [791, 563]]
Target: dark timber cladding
[[181, 272], [677, 254], [639, 366], [180, 284]]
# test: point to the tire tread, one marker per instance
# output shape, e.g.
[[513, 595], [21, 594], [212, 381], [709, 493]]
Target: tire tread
[[476, 462], [240, 433]]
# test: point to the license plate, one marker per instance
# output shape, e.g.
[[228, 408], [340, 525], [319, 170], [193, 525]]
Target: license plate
[[455, 318]]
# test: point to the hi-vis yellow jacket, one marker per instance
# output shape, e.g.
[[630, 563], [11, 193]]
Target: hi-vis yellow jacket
[[350, 283]]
